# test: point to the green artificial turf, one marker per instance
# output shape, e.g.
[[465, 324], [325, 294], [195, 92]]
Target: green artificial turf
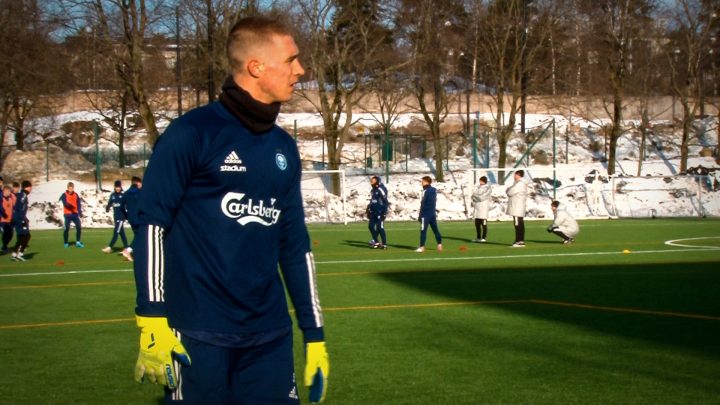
[[474, 324]]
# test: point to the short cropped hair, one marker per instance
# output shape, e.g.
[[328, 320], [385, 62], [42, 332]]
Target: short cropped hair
[[520, 173], [249, 32], [71, 184], [555, 204], [427, 179], [136, 180], [483, 179], [26, 184]]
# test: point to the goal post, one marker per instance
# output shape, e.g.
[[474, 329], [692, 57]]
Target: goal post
[[319, 201]]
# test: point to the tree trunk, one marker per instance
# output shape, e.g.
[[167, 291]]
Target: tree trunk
[[439, 153], [121, 130], [4, 117], [502, 156], [334, 155], [19, 124], [687, 124], [641, 154], [615, 131]]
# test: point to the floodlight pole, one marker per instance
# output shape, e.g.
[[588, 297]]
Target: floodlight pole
[[388, 149], [474, 146], [554, 164], [178, 65], [47, 161], [523, 67], [98, 173]]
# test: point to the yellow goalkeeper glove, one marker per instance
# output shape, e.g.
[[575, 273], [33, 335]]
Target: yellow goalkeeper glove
[[158, 345], [317, 369]]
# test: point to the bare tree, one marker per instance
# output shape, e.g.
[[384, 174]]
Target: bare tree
[[26, 46], [648, 82], [123, 27], [207, 24], [432, 30], [390, 91], [617, 24], [342, 41], [508, 51], [686, 54]]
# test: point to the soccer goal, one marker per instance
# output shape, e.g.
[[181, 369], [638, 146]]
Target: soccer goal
[[664, 196], [324, 196]]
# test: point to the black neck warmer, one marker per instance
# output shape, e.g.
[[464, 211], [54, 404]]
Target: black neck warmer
[[256, 116]]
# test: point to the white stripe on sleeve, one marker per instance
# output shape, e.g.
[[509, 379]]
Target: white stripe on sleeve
[[155, 263], [314, 297]]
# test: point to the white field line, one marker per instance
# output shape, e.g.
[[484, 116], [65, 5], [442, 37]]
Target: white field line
[[65, 273], [674, 242], [404, 226], [410, 260], [462, 258]]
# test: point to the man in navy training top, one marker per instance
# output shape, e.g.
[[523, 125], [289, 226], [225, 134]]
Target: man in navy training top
[[377, 210], [428, 215], [21, 222], [115, 202], [215, 303], [72, 209], [129, 205]]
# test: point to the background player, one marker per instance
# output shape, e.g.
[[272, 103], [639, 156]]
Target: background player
[[72, 209], [377, 210], [481, 206], [564, 225], [428, 214], [115, 202], [21, 222], [129, 206], [517, 198]]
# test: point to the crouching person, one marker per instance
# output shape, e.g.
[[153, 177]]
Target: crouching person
[[564, 225]]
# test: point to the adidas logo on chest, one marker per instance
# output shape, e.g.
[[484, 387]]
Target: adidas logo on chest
[[233, 163]]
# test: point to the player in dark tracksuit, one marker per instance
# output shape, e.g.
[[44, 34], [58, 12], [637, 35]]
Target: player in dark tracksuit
[[72, 209], [129, 206], [377, 210], [428, 215], [220, 209], [21, 222], [115, 202]]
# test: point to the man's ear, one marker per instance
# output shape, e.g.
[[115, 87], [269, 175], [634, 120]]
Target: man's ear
[[255, 68]]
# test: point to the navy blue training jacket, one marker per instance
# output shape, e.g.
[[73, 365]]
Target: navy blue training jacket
[[21, 207], [428, 202], [116, 203], [130, 205], [220, 208], [378, 200]]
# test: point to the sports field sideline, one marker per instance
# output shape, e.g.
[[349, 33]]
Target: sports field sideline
[[628, 314]]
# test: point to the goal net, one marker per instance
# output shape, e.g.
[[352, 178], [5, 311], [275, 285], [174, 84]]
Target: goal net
[[664, 196], [324, 196]]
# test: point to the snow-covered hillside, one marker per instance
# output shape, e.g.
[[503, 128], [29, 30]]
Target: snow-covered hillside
[[582, 183]]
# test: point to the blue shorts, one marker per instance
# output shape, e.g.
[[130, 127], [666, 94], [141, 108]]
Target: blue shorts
[[263, 374]]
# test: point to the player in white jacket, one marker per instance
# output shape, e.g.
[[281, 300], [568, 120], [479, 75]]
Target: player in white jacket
[[564, 226], [517, 196], [481, 198]]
